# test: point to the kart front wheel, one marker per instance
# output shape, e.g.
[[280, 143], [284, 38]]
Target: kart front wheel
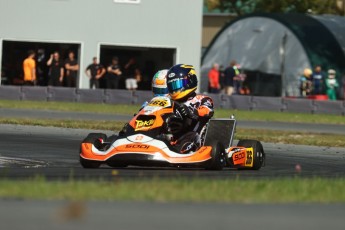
[[117, 164], [218, 154], [258, 152], [89, 164]]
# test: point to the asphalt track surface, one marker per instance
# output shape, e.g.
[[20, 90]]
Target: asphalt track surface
[[27, 151]]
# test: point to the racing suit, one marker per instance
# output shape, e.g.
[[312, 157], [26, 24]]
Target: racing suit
[[188, 132]]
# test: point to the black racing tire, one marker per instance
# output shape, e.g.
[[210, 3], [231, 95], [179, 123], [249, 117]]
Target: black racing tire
[[218, 154], [258, 152], [93, 138], [89, 164], [112, 138], [117, 164]]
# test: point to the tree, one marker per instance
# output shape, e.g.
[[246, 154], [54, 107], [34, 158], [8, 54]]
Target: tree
[[241, 7]]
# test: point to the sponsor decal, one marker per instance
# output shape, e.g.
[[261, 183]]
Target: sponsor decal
[[137, 146], [239, 156], [141, 124], [175, 79], [139, 138], [249, 158], [171, 75]]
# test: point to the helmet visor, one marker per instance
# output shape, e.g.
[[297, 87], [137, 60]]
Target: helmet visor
[[177, 84]]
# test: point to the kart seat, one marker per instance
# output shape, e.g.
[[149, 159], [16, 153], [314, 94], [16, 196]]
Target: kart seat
[[220, 129]]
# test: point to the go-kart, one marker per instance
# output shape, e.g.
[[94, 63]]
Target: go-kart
[[144, 143]]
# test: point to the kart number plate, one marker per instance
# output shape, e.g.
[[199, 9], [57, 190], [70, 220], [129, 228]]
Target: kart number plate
[[161, 102], [249, 157]]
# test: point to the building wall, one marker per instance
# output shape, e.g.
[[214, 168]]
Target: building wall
[[211, 25], [151, 23]]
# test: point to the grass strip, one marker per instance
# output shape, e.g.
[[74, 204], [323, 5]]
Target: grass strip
[[286, 190], [75, 124], [291, 137], [273, 136], [131, 109]]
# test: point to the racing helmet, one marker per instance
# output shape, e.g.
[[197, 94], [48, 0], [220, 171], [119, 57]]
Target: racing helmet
[[159, 83], [181, 81]]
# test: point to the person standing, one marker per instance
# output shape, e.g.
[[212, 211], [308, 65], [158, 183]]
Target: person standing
[[318, 78], [213, 79], [29, 68], [72, 68], [332, 85], [229, 75], [133, 74], [305, 83], [114, 74], [56, 71], [94, 72]]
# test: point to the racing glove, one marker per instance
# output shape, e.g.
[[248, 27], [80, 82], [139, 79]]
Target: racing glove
[[185, 112]]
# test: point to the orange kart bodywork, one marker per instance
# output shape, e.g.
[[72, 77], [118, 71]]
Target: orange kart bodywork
[[242, 157]]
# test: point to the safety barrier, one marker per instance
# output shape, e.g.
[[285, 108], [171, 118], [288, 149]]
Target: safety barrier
[[252, 103]]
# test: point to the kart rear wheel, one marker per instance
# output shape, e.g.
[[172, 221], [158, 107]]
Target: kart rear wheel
[[258, 152], [89, 164], [218, 154]]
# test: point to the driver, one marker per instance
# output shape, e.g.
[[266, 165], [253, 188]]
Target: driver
[[159, 85], [195, 110], [159, 89]]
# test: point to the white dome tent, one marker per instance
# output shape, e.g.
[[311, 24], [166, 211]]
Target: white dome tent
[[275, 48]]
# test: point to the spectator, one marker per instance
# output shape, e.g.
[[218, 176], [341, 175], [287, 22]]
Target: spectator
[[56, 70], [305, 83], [114, 73], [29, 68], [133, 74], [94, 72], [229, 75], [332, 85], [213, 79], [72, 68], [238, 79], [41, 67], [318, 78]]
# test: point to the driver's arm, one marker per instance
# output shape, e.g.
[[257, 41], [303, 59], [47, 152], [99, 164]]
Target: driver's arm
[[206, 108]]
